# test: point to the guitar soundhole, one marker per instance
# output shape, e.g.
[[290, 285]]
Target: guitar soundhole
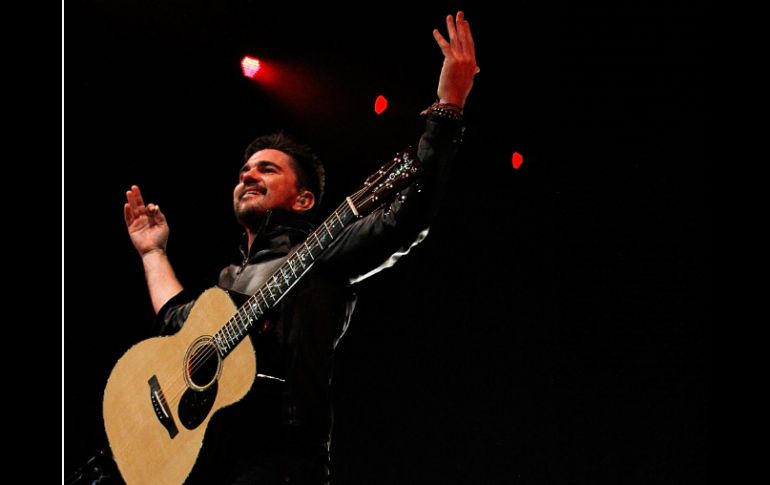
[[202, 364]]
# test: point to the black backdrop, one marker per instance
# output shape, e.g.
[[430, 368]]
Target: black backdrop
[[552, 328]]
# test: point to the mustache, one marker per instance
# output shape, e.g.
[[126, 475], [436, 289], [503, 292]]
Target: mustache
[[252, 188]]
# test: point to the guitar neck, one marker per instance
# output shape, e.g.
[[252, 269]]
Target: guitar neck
[[297, 264]]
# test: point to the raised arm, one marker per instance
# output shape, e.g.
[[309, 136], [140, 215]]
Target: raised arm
[[379, 239], [149, 231], [456, 79]]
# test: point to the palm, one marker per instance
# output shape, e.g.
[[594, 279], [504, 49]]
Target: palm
[[459, 66], [146, 225], [147, 233]]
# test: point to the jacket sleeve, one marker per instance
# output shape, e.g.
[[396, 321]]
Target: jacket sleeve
[[173, 314], [377, 241]]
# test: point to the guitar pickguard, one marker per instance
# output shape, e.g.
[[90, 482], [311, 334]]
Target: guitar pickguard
[[194, 406]]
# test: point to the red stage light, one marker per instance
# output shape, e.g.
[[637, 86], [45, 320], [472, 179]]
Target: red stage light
[[517, 160], [380, 104], [250, 66]]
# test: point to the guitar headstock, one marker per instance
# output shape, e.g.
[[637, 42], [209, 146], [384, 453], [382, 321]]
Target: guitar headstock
[[383, 185]]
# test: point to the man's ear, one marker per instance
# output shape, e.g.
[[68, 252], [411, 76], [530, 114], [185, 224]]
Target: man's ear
[[304, 201]]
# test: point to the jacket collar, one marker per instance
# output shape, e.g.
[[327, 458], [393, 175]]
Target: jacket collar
[[279, 232]]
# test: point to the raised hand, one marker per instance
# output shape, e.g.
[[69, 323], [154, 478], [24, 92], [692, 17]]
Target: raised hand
[[459, 67], [146, 224]]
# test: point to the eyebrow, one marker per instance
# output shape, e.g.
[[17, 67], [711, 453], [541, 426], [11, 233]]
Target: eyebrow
[[261, 164]]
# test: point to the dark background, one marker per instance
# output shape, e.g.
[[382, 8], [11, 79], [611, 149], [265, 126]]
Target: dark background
[[552, 329]]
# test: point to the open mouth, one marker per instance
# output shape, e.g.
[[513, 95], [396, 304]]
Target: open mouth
[[253, 192]]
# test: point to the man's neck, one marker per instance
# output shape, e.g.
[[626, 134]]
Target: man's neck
[[254, 230], [251, 235]]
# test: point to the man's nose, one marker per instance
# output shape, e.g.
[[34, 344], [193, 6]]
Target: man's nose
[[251, 176]]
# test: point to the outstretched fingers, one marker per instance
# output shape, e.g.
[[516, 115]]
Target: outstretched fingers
[[450, 27], [442, 43], [460, 45], [464, 31], [138, 195], [135, 201], [128, 214], [134, 208]]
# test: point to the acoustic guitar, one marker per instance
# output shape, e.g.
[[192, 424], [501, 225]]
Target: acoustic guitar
[[162, 393]]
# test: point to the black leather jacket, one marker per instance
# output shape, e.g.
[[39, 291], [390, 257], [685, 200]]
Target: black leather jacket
[[290, 401]]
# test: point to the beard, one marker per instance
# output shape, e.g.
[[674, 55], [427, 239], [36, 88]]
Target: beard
[[249, 216]]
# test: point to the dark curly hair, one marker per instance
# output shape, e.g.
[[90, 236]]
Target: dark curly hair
[[310, 171]]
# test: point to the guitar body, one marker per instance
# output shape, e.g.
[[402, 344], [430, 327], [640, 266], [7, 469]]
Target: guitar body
[[162, 393]]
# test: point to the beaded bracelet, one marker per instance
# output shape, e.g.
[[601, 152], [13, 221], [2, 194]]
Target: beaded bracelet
[[444, 110]]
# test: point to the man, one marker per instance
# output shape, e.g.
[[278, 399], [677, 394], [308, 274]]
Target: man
[[284, 434]]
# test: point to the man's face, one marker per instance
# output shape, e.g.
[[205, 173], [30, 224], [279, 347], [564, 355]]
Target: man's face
[[267, 181]]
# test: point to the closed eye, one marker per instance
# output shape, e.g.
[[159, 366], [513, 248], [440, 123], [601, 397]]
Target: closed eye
[[263, 166]]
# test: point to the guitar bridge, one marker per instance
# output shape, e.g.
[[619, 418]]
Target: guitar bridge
[[160, 406]]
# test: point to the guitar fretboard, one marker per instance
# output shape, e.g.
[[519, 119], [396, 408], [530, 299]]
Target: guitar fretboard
[[383, 183], [283, 279]]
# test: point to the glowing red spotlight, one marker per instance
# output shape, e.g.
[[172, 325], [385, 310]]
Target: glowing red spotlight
[[517, 160], [250, 66], [380, 104]]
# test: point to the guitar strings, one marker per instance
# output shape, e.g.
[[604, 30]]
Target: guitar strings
[[240, 322], [239, 319], [180, 386]]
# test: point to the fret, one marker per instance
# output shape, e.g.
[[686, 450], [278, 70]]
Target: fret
[[309, 251], [258, 310], [291, 266], [288, 277], [264, 299], [218, 343], [273, 283], [315, 235], [228, 337], [327, 230], [284, 278], [338, 218], [246, 318], [237, 324]]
